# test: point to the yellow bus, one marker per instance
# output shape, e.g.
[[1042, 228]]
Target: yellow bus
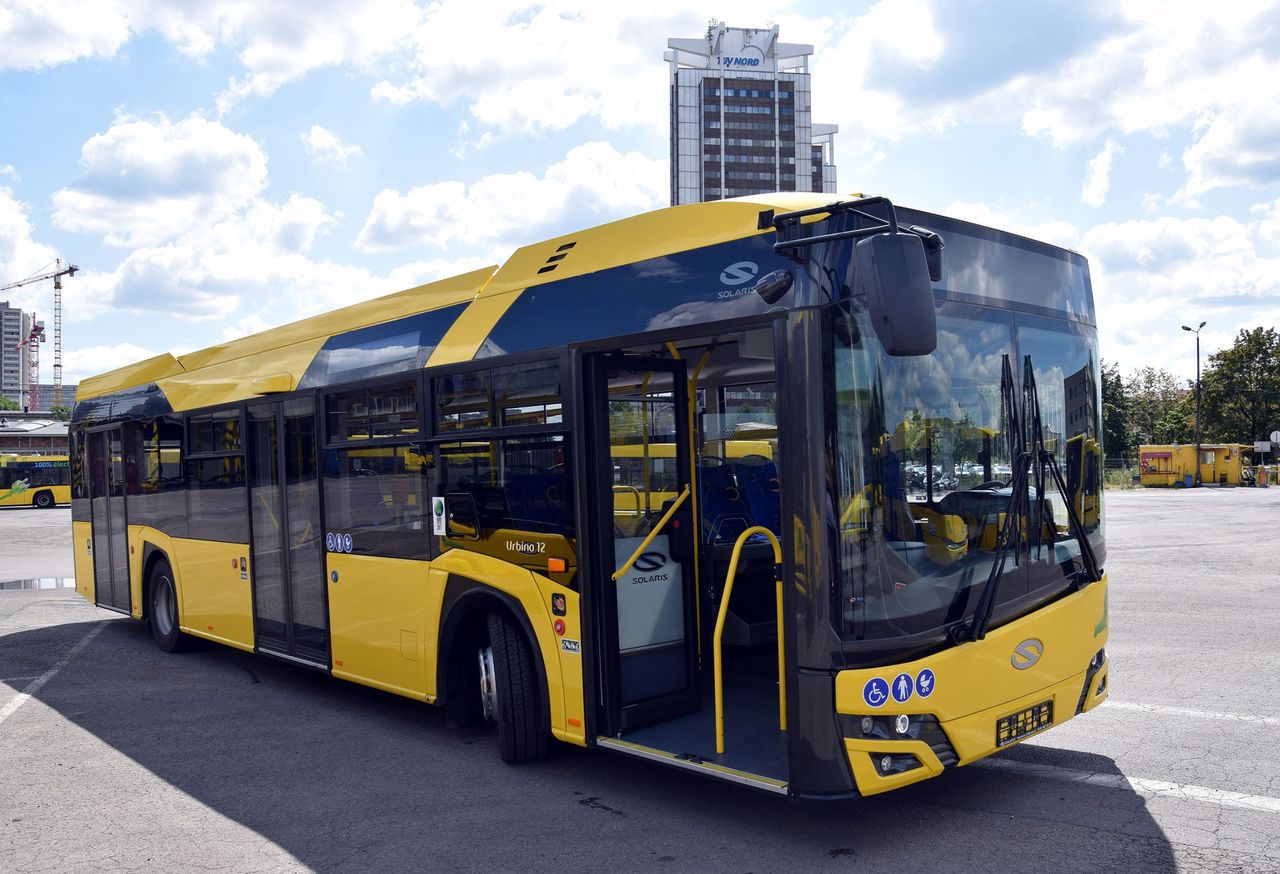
[[41, 481], [646, 487]]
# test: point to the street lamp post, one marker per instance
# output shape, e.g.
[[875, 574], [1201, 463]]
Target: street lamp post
[[1196, 331]]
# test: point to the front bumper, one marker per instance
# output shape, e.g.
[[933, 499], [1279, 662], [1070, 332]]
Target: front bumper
[[973, 686]]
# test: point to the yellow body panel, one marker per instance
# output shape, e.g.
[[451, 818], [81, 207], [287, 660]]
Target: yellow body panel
[[470, 329], [82, 552], [534, 592], [378, 622], [976, 684], [224, 373], [213, 600]]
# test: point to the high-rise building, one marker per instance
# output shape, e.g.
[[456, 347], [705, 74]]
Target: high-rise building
[[740, 117], [14, 327]]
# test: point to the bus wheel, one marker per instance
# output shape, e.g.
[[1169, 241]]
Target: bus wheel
[[43, 500], [509, 693], [163, 613]]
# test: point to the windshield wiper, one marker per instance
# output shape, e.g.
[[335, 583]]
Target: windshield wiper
[[1028, 462]]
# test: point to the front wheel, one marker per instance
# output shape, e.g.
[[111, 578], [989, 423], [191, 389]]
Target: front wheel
[[163, 612], [43, 500], [509, 693]]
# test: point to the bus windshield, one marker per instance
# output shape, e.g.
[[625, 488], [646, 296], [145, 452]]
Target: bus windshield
[[921, 471]]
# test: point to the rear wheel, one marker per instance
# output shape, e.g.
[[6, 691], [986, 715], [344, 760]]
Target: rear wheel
[[163, 609], [509, 693], [43, 500]]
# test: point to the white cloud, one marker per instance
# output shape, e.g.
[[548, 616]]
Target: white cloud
[[594, 183], [1098, 174], [79, 363], [1150, 277], [323, 144], [546, 66], [275, 43], [21, 256], [145, 180], [37, 34]]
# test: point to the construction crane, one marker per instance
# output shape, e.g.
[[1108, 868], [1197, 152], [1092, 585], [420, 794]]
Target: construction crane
[[36, 336]]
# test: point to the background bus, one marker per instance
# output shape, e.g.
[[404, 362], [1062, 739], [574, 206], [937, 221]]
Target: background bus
[[619, 495], [41, 481]]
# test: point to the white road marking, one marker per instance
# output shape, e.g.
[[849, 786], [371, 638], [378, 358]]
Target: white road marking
[[1140, 785], [14, 679], [37, 684], [1195, 714]]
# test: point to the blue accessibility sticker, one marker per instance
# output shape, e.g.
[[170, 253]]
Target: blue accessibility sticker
[[924, 683], [875, 692], [902, 687]]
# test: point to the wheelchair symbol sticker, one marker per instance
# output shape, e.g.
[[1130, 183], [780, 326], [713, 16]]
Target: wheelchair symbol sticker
[[875, 692]]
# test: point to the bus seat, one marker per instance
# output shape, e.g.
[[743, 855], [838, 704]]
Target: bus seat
[[763, 492], [540, 500], [725, 513]]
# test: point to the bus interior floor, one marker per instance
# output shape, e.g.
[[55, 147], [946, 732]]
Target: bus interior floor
[[753, 742]]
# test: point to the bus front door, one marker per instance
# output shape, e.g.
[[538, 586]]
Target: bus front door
[[645, 616], [290, 609], [110, 526]]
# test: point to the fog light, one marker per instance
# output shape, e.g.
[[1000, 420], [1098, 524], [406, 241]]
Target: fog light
[[902, 724], [1102, 686], [886, 763], [868, 725]]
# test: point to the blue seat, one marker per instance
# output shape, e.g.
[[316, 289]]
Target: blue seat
[[763, 492], [725, 512]]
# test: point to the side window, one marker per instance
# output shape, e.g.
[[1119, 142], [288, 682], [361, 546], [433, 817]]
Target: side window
[[376, 493], [216, 479], [463, 402], [375, 470], [512, 499]]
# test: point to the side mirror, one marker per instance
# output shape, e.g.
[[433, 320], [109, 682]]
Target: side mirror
[[463, 518], [892, 271]]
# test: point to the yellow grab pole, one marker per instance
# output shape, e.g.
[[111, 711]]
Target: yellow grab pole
[[782, 667], [724, 611], [644, 544]]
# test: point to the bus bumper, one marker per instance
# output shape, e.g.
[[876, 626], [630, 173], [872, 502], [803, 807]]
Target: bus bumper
[[974, 699]]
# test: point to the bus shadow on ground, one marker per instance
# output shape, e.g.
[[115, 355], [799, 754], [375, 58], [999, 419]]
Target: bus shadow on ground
[[348, 778]]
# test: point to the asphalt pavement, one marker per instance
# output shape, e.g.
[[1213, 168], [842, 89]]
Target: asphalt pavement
[[117, 757]]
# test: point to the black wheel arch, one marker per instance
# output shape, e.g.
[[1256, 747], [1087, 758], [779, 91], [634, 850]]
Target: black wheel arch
[[467, 600], [152, 555]]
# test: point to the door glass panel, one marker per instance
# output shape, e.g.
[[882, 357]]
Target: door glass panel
[[119, 531], [98, 491], [647, 477], [267, 515], [306, 558]]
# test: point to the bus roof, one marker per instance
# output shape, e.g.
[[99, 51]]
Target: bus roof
[[276, 359]]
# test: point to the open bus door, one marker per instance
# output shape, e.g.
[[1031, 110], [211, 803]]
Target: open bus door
[[639, 474]]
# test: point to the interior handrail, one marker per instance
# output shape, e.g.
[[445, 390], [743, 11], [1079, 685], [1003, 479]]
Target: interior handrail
[[644, 544], [719, 632]]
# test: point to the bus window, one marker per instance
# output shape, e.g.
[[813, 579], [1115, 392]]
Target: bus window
[[376, 494], [522, 491]]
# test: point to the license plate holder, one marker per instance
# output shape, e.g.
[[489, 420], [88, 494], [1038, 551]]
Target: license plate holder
[[1026, 722]]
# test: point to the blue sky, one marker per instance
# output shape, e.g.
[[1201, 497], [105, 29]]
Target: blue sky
[[216, 167]]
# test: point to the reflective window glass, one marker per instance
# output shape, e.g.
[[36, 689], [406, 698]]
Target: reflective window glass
[[529, 394], [462, 401]]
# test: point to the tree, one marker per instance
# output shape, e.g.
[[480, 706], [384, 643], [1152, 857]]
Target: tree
[[1116, 440], [6, 404], [1179, 422], [62, 414], [1152, 394], [1241, 385]]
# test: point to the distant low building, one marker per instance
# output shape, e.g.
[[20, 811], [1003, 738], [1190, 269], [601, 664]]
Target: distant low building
[[31, 434], [1175, 465]]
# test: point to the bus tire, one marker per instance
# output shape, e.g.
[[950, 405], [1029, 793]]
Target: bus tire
[[162, 609], [43, 501], [510, 693]]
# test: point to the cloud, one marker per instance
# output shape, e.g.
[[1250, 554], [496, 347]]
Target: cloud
[[37, 34], [1239, 145], [21, 255], [1098, 174], [78, 364], [324, 145], [146, 179], [1150, 277], [547, 66], [593, 184], [274, 43]]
